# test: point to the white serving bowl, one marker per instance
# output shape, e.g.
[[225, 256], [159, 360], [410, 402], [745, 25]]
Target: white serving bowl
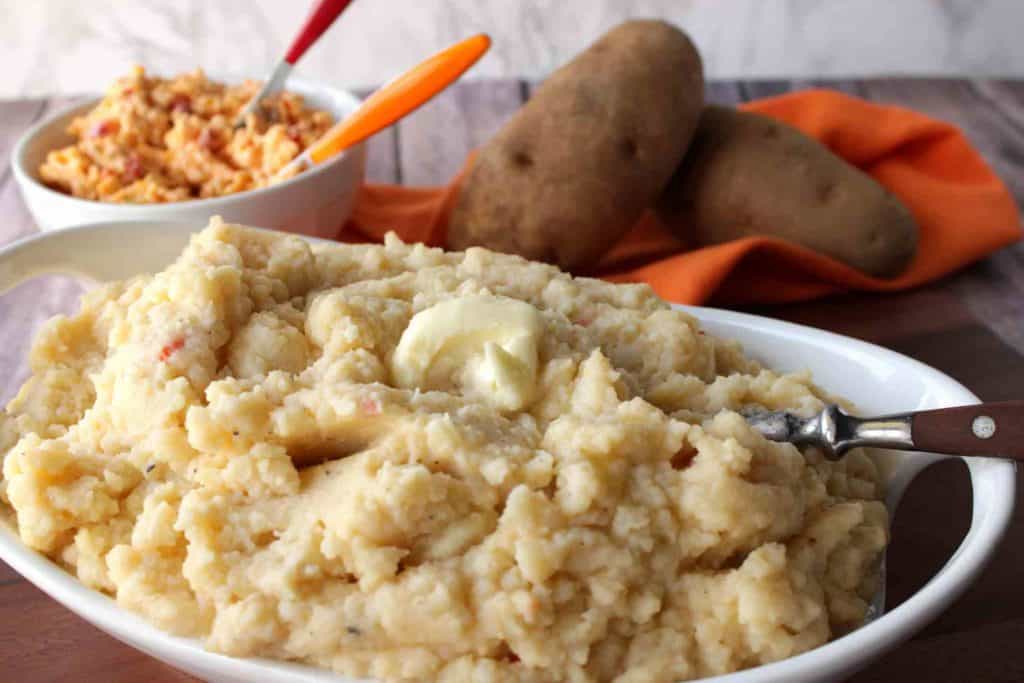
[[316, 202], [876, 379]]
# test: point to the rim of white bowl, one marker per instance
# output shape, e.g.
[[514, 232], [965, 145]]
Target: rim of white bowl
[[25, 176], [950, 581], [844, 654]]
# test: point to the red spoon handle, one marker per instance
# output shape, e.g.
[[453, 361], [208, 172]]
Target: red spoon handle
[[320, 19], [984, 429]]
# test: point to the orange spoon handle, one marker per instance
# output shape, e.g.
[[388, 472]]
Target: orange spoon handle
[[401, 96]]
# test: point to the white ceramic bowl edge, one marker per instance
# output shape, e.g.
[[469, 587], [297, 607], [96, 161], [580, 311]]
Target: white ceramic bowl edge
[[314, 203], [846, 366]]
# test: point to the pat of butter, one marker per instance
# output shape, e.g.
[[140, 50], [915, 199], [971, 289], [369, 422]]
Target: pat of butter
[[484, 344]]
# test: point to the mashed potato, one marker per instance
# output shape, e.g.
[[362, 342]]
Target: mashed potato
[[562, 493]]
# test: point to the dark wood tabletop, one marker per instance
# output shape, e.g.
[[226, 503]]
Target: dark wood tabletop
[[969, 325]]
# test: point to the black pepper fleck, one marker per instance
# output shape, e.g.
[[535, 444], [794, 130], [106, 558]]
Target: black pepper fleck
[[353, 630], [149, 468]]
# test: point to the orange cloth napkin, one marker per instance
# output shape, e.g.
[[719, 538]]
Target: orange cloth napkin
[[962, 209]]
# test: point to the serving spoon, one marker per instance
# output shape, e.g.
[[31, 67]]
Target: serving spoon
[[992, 430], [319, 20], [985, 430], [394, 100]]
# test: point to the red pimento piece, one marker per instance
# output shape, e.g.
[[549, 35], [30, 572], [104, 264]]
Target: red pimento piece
[[168, 350], [293, 133], [585, 317], [369, 406], [208, 139], [101, 128], [133, 169], [181, 103], [127, 91]]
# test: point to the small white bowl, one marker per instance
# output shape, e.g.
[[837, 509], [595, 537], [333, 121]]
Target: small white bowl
[[316, 202], [877, 380]]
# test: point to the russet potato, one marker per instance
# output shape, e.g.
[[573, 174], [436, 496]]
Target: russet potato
[[588, 153], [746, 174]]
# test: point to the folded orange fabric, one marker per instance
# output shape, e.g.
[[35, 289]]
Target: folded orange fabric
[[962, 209]]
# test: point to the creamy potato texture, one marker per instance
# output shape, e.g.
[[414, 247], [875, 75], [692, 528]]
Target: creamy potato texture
[[260, 447]]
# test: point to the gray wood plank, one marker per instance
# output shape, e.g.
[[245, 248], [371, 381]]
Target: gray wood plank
[[850, 86], [15, 220], [733, 92], [757, 89], [1006, 96], [994, 292], [15, 117], [381, 153], [28, 306], [725, 93], [22, 311], [382, 157], [434, 141], [994, 289], [56, 104], [754, 90], [992, 649]]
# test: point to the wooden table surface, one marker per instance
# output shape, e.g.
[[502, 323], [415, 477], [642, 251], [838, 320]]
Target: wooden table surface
[[970, 325]]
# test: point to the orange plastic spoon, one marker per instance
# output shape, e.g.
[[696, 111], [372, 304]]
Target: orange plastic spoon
[[392, 101]]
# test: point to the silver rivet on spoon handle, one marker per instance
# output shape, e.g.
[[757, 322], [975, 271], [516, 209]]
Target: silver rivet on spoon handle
[[983, 427]]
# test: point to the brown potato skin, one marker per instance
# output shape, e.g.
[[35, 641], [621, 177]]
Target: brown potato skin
[[747, 174], [593, 148]]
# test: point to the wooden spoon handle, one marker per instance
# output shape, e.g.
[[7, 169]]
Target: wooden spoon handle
[[985, 429]]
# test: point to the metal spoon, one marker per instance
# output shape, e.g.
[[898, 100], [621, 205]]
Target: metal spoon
[[319, 20], [994, 430]]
